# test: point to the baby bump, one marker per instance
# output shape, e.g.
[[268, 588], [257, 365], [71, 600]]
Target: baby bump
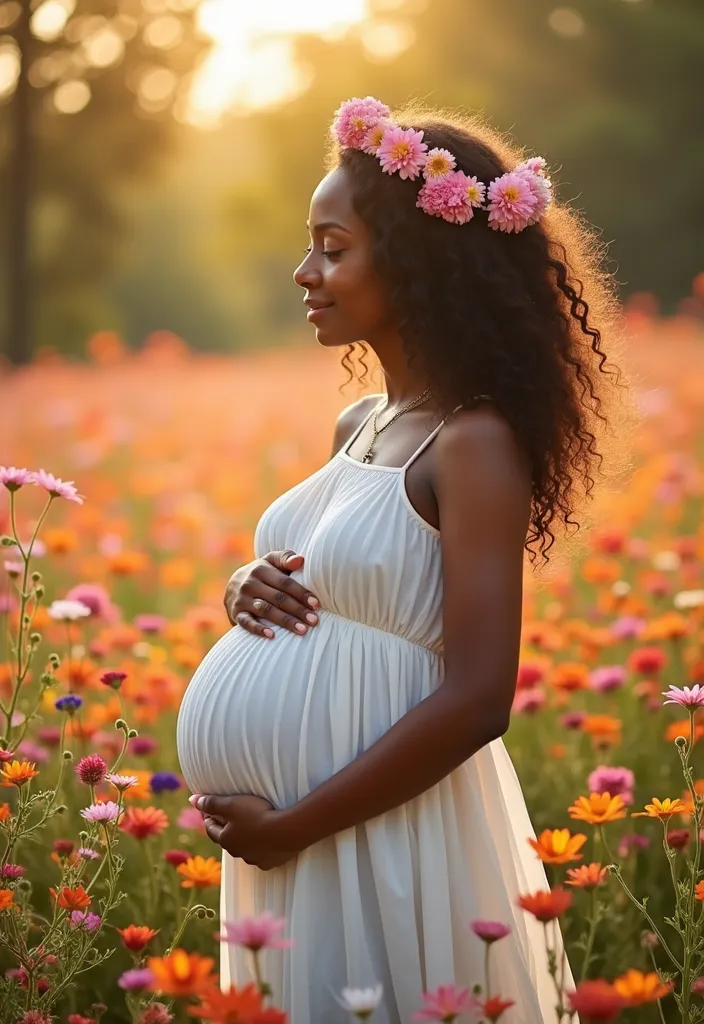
[[276, 718]]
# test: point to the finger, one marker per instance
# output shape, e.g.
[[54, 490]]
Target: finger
[[252, 625], [213, 829], [283, 581], [275, 605], [214, 806]]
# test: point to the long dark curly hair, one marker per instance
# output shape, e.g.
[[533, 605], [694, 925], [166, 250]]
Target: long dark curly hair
[[520, 317]]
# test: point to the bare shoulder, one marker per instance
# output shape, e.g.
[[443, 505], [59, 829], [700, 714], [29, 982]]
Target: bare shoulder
[[350, 418], [479, 453]]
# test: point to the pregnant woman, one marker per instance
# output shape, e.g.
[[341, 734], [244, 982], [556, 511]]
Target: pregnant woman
[[353, 769]]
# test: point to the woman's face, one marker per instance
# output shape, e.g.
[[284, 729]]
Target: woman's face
[[337, 272]]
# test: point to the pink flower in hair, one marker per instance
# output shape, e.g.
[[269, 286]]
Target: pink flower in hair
[[452, 197], [355, 117], [512, 202], [536, 165], [541, 186], [373, 138], [438, 164], [402, 150]]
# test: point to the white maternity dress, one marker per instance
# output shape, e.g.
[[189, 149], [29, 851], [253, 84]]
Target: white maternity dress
[[390, 900]]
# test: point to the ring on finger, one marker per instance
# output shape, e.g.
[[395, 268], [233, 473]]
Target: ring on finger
[[259, 605]]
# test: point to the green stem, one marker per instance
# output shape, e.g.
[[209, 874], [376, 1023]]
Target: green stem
[[593, 924]]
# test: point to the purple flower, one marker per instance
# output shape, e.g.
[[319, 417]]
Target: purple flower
[[12, 871], [161, 781], [87, 853], [607, 678], [139, 977], [685, 697], [142, 746], [632, 841], [83, 919], [56, 487], [101, 812], [573, 719], [70, 703], [92, 769], [613, 780]]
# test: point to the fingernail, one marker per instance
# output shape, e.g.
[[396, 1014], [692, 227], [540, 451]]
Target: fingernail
[[193, 800]]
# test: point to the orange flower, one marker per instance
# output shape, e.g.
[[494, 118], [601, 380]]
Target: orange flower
[[199, 871], [127, 563], [558, 846], [181, 973], [671, 626], [596, 1000], [681, 728], [59, 540], [661, 809], [639, 988], [4, 812], [545, 906], [6, 898], [598, 808], [71, 899], [16, 773], [235, 1005], [601, 570], [603, 727], [142, 822], [699, 891], [142, 791], [136, 936], [570, 676], [586, 876]]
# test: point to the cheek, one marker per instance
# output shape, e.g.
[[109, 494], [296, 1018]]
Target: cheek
[[358, 287]]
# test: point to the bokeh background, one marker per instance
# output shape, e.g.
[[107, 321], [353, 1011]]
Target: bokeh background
[[157, 156], [157, 159]]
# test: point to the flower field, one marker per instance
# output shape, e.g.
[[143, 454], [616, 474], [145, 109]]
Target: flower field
[[111, 593]]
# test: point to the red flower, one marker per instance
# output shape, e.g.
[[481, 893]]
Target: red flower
[[136, 936], [545, 906], [495, 1006], [596, 1001], [142, 822]]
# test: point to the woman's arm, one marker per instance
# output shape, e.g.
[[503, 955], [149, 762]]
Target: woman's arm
[[483, 489]]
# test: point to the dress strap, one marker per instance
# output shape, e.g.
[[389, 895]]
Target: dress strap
[[432, 434]]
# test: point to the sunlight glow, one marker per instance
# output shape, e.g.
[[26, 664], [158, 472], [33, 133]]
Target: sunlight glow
[[252, 63]]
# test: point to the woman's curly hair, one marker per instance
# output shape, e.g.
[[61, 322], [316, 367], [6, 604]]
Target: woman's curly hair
[[520, 317]]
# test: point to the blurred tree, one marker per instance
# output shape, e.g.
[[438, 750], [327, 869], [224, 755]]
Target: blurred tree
[[90, 90]]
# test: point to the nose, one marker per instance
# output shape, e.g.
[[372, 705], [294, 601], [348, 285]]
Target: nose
[[306, 275]]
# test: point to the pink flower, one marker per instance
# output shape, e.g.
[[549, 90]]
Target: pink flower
[[92, 769], [255, 933], [685, 697], [438, 164], [490, 931], [402, 150], [104, 812], [373, 138], [632, 841], [445, 1003], [13, 569], [627, 627], [95, 597], [452, 197], [190, 817], [354, 118], [156, 1013], [541, 186], [573, 719], [512, 203], [113, 679], [7, 603], [57, 488], [149, 623], [529, 701], [607, 678], [614, 780], [122, 781], [14, 478]]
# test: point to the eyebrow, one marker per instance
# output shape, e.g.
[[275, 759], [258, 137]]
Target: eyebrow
[[329, 224]]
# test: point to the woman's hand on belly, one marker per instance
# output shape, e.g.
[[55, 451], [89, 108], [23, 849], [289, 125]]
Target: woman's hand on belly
[[245, 826]]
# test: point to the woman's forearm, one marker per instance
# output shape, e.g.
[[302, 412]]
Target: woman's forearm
[[428, 743]]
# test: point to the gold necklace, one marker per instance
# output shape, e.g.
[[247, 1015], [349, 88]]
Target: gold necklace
[[412, 405]]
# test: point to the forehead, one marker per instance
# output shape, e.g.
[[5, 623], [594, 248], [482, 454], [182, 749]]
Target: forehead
[[332, 200]]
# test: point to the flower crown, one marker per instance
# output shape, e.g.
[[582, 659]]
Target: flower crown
[[516, 199]]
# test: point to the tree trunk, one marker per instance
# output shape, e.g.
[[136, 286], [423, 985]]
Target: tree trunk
[[19, 344]]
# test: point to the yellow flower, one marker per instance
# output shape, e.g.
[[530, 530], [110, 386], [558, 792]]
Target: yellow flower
[[16, 773], [639, 988], [661, 810], [199, 871], [598, 808], [558, 846]]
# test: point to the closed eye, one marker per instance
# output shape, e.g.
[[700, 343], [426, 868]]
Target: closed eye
[[330, 253]]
